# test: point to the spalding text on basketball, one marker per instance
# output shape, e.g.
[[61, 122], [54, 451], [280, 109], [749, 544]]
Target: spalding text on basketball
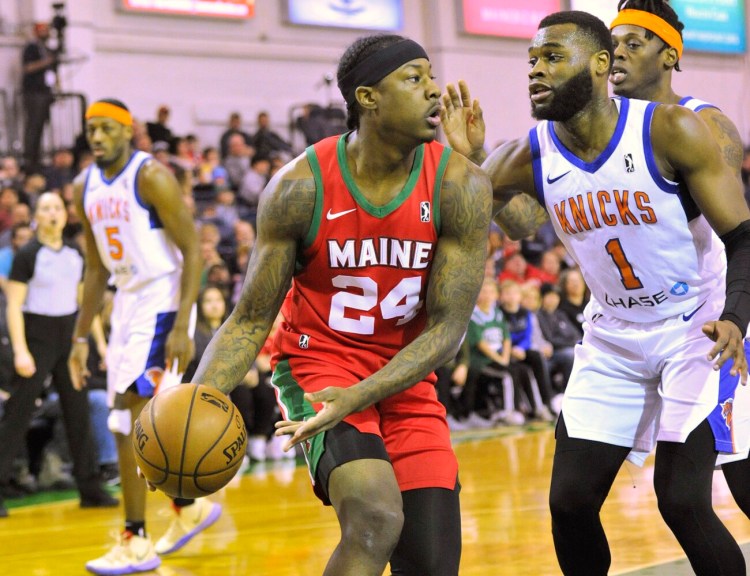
[[140, 436], [218, 402], [236, 447]]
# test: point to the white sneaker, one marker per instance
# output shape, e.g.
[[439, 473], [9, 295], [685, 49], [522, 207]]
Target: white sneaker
[[256, 448], [131, 554], [187, 523], [455, 425], [474, 420], [556, 403], [544, 414], [509, 417]]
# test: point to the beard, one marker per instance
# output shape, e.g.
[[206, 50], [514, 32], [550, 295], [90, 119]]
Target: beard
[[567, 100]]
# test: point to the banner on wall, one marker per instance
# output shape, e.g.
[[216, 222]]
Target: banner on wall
[[505, 18], [237, 9], [712, 25], [360, 14]]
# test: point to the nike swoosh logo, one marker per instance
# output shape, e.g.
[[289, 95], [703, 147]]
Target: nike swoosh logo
[[556, 178], [687, 317], [334, 215]]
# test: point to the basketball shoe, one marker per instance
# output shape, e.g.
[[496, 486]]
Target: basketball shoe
[[187, 523], [131, 554]]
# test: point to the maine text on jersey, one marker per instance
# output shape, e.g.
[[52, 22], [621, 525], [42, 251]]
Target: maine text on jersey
[[391, 252], [108, 208], [604, 208]]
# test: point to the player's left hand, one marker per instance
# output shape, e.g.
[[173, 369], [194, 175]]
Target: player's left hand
[[179, 347], [728, 345], [337, 403]]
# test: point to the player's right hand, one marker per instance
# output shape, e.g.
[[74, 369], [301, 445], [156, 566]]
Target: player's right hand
[[729, 345], [462, 121], [79, 355]]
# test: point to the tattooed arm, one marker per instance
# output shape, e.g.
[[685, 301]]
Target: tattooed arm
[[284, 215], [516, 209], [726, 135], [455, 278]]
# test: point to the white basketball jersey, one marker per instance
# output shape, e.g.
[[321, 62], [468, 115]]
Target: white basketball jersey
[[129, 235], [644, 248], [695, 104]]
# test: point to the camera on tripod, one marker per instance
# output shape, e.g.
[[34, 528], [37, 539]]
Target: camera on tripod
[[59, 24]]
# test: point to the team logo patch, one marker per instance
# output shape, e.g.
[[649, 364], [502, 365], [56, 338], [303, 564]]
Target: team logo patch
[[154, 375], [679, 289], [304, 341], [629, 165], [726, 411], [425, 213]]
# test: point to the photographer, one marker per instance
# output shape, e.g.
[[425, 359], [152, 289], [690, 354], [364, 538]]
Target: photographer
[[39, 65]]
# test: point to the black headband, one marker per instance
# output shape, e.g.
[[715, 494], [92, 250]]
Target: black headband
[[378, 65]]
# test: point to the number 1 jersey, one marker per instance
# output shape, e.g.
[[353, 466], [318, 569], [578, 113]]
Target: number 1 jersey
[[645, 250], [363, 269]]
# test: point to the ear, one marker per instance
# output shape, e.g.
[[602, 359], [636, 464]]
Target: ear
[[365, 97], [670, 58], [602, 63]]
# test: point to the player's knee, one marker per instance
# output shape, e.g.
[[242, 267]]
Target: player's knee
[[371, 526], [120, 422], [571, 502]]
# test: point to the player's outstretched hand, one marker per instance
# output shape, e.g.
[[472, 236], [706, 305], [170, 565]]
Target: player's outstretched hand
[[728, 345], [179, 348], [462, 121], [337, 404]]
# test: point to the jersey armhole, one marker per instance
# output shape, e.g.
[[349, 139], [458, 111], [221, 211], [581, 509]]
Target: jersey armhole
[[439, 174], [312, 160]]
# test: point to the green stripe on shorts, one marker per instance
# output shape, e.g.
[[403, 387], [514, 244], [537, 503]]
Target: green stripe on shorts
[[290, 395]]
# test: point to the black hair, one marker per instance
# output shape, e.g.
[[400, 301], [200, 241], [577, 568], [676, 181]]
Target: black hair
[[591, 26], [660, 8], [358, 51], [114, 103]]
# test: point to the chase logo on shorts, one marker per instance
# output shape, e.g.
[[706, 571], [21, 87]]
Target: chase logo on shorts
[[726, 411], [304, 341], [679, 289]]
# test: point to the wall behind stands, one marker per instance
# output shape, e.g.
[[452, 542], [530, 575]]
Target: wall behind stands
[[204, 69]]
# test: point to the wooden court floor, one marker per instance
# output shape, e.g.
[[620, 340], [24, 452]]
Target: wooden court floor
[[273, 525]]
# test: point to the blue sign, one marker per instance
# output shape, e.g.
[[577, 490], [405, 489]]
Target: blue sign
[[364, 14], [712, 25]]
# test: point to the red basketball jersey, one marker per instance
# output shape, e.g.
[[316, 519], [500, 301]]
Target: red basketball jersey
[[360, 287]]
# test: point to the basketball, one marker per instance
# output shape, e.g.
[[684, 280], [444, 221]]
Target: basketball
[[189, 440]]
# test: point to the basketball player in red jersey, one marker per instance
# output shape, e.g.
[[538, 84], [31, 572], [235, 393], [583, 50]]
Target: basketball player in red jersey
[[374, 241], [655, 218], [647, 38]]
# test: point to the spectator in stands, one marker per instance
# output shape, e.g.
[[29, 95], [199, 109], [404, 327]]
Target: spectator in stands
[[210, 170], [266, 141], [10, 173], [21, 233], [561, 332], [573, 295], [182, 155], [61, 171], [237, 160], [158, 131], [9, 198], [253, 183], [521, 325], [548, 271], [20, 214], [39, 70], [488, 391], [235, 127]]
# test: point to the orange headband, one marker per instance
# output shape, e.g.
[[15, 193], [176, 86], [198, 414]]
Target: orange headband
[[652, 22], [110, 111]]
